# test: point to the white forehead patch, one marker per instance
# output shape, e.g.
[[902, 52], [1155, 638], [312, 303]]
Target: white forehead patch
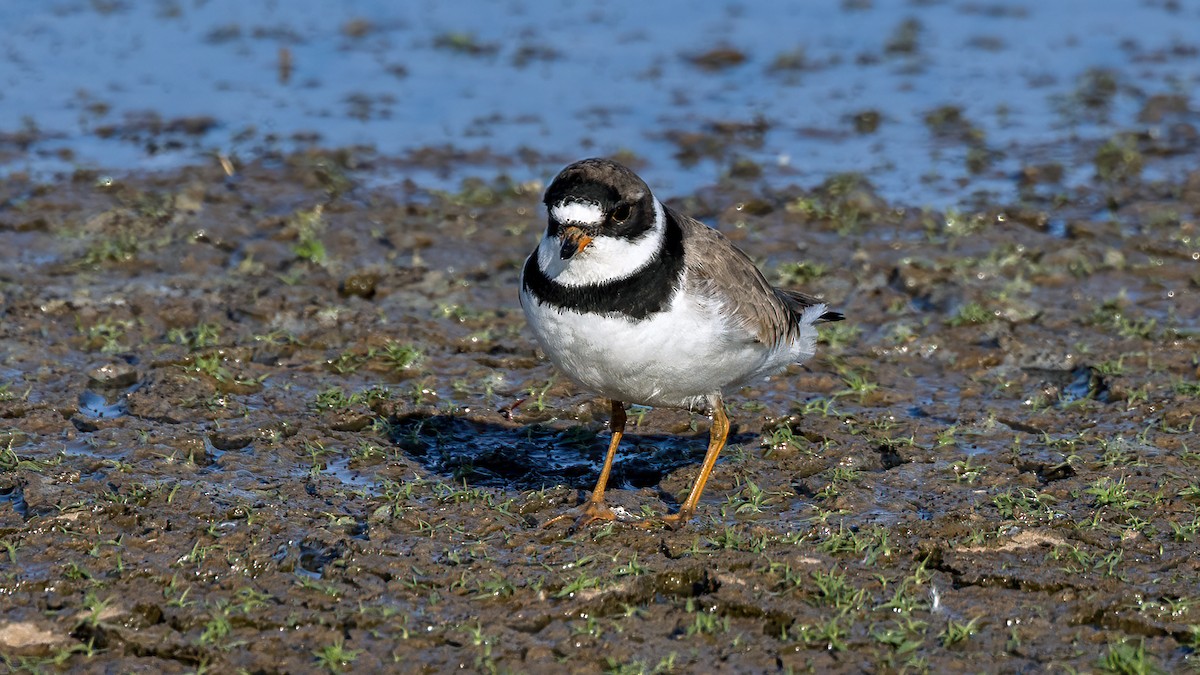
[[576, 212]]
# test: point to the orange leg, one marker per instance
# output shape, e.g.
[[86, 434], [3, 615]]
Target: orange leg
[[716, 442], [595, 508]]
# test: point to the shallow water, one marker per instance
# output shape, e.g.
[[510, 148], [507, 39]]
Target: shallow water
[[932, 101]]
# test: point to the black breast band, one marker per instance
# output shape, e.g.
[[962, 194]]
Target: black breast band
[[645, 292]]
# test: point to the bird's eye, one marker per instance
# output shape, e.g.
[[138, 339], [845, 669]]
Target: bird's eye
[[621, 213]]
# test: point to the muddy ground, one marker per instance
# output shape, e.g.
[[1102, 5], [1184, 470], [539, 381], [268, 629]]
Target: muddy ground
[[250, 424]]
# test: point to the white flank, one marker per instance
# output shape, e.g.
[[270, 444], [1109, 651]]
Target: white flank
[[605, 259], [577, 213]]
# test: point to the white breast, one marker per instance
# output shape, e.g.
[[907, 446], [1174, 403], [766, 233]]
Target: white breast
[[675, 358]]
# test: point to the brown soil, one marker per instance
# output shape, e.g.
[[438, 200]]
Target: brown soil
[[250, 424]]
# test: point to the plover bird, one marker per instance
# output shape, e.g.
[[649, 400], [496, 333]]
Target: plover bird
[[641, 304]]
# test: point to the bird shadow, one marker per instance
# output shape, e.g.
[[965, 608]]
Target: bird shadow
[[542, 454]]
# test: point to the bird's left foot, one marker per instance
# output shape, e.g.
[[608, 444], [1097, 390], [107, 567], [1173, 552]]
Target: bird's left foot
[[583, 516]]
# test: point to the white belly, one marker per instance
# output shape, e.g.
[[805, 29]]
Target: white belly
[[676, 358]]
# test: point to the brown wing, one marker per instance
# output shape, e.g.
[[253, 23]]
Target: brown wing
[[717, 268]]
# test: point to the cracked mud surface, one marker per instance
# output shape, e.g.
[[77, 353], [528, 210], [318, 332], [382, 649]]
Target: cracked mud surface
[[250, 423]]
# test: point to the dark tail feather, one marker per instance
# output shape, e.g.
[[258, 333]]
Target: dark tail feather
[[799, 301]]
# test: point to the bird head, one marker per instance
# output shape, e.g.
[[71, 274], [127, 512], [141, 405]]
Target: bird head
[[596, 199]]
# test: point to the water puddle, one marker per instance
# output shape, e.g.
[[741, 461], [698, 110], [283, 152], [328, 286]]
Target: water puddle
[[339, 469], [1065, 387], [14, 496], [100, 406], [82, 448]]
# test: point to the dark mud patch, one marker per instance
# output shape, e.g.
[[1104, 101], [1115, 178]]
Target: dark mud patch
[[251, 422]]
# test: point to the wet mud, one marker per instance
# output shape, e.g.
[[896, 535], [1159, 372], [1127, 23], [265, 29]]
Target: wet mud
[[263, 421]]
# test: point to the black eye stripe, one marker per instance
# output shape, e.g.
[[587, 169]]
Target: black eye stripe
[[645, 292]]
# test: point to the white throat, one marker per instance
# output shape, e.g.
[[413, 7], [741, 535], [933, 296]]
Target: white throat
[[606, 258]]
